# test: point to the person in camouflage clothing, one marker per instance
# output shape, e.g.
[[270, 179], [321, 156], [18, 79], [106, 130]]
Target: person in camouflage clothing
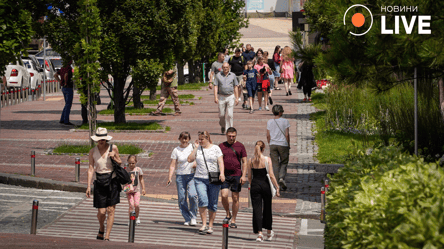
[[169, 88]]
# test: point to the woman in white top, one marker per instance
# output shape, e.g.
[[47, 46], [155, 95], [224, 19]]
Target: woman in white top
[[106, 189], [184, 178], [206, 155]]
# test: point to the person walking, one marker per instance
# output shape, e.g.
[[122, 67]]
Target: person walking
[[226, 54], [270, 63], [278, 137], [209, 158], [287, 69], [250, 77], [216, 68], [226, 96], [260, 191], [235, 161], [260, 64], [64, 77], [184, 179], [133, 191], [307, 79], [169, 88], [237, 64], [106, 188], [277, 59], [248, 54]]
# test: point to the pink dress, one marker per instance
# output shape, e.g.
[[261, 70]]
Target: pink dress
[[258, 68], [288, 68]]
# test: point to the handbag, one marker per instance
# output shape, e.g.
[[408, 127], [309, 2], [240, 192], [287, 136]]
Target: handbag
[[272, 188], [122, 175], [213, 177]]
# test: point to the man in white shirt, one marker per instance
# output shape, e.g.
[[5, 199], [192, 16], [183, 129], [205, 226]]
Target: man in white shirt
[[226, 95], [278, 137]]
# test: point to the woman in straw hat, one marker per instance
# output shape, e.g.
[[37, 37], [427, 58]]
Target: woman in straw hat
[[106, 188]]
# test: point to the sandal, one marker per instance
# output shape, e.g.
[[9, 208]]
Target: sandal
[[270, 235], [233, 225], [260, 238], [102, 233], [204, 231], [210, 230]]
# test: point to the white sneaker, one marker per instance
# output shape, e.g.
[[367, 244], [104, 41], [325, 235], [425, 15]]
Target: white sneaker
[[193, 222], [266, 108], [270, 235], [137, 221], [186, 223]]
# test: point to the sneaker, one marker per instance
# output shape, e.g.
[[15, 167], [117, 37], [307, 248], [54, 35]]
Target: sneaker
[[305, 99], [270, 100], [266, 108], [251, 111], [260, 238], [247, 107], [270, 235], [137, 221], [263, 99], [282, 184], [309, 99], [240, 99], [193, 222], [243, 106], [186, 223], [260, 109], [222, 130], [289, 92]]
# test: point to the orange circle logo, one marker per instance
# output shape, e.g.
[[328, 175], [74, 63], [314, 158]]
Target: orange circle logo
[[358, 20]]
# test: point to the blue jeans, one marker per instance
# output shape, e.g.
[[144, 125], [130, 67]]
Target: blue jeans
[[208, 193], [68, 94], [186, 187]]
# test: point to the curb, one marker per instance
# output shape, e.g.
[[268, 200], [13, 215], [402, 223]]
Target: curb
[[41, 183]]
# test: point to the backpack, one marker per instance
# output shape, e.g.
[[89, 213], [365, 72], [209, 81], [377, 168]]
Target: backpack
[[231, 58]]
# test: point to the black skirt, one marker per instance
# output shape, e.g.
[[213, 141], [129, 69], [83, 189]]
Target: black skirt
[[106, 196]]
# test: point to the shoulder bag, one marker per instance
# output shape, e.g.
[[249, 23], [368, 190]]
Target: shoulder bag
[[272, 188], [235, 152], [213, 177], [122, 175], [282, 132]]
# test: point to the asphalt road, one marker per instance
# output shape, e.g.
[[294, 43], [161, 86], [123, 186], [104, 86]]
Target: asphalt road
[[16, 205]]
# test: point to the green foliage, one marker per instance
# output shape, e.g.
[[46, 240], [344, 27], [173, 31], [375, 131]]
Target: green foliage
[[15, 31], [123, 149], [146, 73], [190, 86], [386, 200], [151, 126]]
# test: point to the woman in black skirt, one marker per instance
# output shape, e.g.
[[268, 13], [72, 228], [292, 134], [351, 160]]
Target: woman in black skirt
[[106, 188], [260, 191]]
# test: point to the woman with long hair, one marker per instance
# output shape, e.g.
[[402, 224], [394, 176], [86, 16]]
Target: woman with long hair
[[261, 64], [184, 178], [287, 68], [277, 63], [258, 167], [209, 158]]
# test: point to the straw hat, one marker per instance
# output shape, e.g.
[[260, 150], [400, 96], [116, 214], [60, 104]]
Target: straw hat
[[101, 133]]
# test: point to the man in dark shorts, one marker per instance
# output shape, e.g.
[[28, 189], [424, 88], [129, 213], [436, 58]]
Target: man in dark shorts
[[234, 153]]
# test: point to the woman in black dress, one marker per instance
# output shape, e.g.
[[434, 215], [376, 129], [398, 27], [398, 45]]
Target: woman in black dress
[[260, 191]]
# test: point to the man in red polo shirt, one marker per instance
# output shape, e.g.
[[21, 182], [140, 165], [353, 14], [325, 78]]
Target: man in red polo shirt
[[234, 153]]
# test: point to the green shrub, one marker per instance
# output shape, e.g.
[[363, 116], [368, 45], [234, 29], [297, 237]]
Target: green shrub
[[386, 200], [85, 148]]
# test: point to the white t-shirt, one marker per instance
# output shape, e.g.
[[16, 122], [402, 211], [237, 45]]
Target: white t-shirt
[[181, 156], [211, 156], [277, 136]]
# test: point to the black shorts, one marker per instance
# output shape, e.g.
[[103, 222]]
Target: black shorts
[[107, 196], [232, 183]]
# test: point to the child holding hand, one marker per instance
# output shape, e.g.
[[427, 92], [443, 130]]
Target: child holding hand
[[132, 190]]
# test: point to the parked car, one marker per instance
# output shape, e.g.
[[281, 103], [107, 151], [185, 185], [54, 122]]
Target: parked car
[[50, 53], [17, 75], [57, 63], [35, 71], [49, 68]]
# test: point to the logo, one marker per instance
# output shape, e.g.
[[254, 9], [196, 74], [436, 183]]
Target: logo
[[358, 19]]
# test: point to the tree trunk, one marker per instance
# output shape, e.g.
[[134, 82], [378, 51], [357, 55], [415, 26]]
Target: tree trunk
[[119, 101], [136, 98], [191, 70], [153, 93], [441, 96], [181, 79]]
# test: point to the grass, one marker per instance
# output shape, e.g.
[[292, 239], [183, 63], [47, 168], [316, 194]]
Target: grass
[[155, 102], [132, 110], [335, 146], [190, 86], [151, 126], [181, 96], [123, 149]]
